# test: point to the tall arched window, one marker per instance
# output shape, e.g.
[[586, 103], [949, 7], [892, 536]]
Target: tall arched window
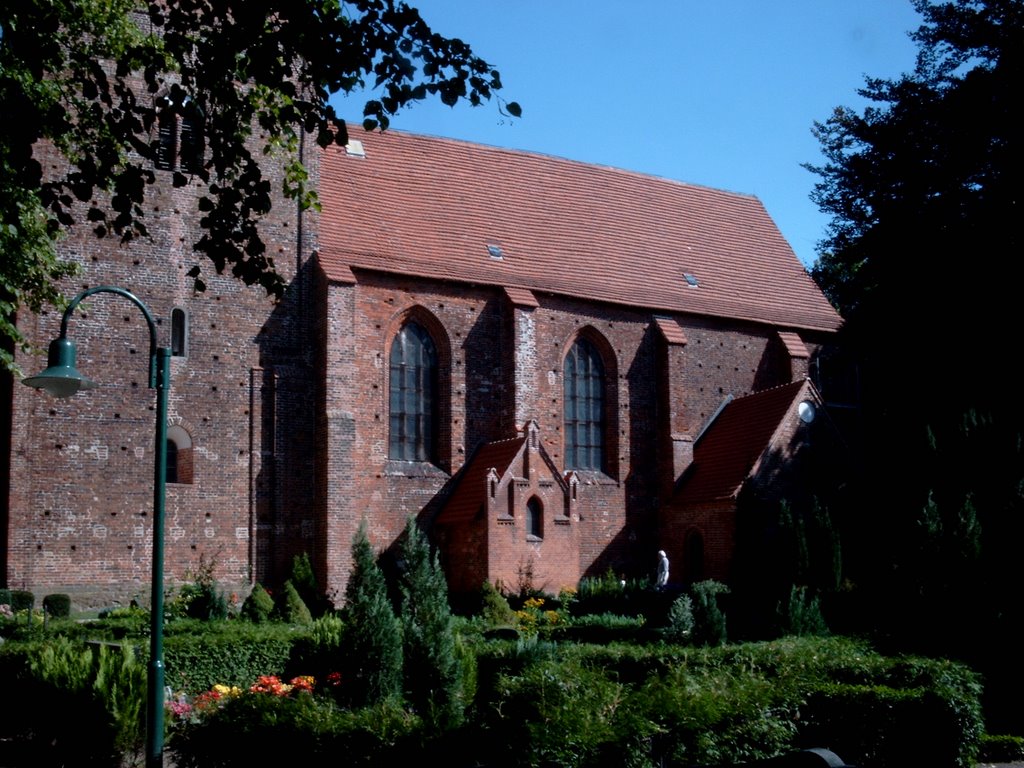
[[413, 396], [584, 407]]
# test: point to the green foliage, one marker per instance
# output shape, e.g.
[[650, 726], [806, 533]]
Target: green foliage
[[611, 594], [91, 78], [565, 712], [226, 653], [709, 618], [305, 583], [296, 730], [680, 620], [5, 596], [372, 662], [57, 605], [22, 600], [199, 599], [1001, 749], [258, 606], [318, 652], [496, 611], [433, 679], [290, 607], [928, 171], [802, 614], [77, 704]]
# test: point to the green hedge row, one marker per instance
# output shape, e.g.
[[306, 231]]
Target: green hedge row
[[539, 702]]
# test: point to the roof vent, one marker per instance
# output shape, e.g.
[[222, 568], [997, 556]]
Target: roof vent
[[691, 280], [355, 148], [495, 252]]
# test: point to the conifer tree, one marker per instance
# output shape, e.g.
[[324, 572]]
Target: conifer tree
[[433, 674], [372, 660]]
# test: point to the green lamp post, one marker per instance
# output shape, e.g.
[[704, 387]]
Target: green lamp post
[[62, 379]]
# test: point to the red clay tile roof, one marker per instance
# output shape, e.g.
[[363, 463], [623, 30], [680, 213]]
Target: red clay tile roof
[[430, 207], [521, 297], [726, 453], [794, 345], [470, 493], [671, 330]]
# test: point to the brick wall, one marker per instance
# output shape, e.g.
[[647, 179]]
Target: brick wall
[[502, 362], [79, 512]]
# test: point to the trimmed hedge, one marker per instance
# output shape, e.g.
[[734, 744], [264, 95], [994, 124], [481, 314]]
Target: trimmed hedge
[[57, 605], [231, 654]]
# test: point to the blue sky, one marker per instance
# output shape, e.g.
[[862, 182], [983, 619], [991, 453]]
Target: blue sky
[[721, 93]]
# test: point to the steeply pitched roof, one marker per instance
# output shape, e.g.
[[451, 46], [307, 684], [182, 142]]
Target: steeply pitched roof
[[437, 208], [730, 447], [470, 493]]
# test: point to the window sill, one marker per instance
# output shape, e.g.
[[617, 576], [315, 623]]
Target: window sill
[[594, 477], [395, 468]]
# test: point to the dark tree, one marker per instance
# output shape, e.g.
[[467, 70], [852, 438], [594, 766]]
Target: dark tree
[[433, 674], [372, 649], [923, 258], [92, 80]]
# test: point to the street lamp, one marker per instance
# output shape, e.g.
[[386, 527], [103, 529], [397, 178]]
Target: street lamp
[[62, 379]]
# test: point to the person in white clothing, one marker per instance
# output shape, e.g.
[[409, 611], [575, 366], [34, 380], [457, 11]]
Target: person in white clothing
[[662, 578]]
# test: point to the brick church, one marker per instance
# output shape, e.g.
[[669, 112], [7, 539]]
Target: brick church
[[557, 368]]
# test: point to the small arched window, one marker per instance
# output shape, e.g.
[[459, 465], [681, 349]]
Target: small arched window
[[534, 519], [412, 396], [584, 407], [179, 456], [179, 332]]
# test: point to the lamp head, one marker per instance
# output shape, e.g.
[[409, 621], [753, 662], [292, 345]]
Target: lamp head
[[61, 378]]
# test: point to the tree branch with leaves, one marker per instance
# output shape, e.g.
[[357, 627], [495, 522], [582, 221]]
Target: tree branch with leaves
[[91, 77]]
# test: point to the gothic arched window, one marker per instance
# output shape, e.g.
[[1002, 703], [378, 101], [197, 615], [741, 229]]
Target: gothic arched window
[[534, 519], [584, 407], [412, 392]]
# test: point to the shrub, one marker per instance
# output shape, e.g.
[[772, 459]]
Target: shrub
[[226, 653], [258, 606], [433, 679], [290, 607], [304, 579], [1001, 749], [317, 653], [802, 614], [200, 599], [22, 600], [679, 628], [564, 711], [372, 661], [260, 729], [496, 611], [76, 704], [710, 624], [57, 605]]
